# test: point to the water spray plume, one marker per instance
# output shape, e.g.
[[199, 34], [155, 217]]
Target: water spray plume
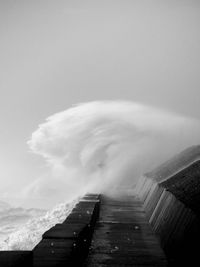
[[104, 145]]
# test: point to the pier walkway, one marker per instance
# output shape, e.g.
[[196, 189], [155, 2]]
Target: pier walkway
[[123, 236]]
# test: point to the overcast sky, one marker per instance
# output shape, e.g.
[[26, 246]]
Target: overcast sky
[[57, 53]]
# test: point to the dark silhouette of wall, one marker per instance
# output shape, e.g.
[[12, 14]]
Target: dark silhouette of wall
[[176, 225]]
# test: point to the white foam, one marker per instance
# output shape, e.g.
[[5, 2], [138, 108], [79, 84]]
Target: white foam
[[28, 236], [102, 144]]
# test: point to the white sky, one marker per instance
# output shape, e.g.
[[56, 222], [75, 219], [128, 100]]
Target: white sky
[[55, 53]]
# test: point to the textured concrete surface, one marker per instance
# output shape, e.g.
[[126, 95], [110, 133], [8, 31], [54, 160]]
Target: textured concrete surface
[[123, 236]]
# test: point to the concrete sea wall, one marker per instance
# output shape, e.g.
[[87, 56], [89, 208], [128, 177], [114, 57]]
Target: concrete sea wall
[[65, 244], [175, 224]]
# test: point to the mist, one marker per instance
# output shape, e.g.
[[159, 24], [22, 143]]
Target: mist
[[105, 146], [102, 147]]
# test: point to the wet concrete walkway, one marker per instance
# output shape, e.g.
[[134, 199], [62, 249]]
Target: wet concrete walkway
[[123, 237]]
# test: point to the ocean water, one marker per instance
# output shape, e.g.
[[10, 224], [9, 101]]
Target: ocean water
[[22, 229]]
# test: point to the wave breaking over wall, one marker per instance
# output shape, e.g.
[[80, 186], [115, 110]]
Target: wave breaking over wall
[[100, 147], [104, 144]]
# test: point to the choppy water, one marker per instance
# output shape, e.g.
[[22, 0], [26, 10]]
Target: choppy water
[[22, 229]]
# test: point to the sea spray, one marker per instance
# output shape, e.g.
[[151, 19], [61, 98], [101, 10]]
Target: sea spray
[[100, 147], [29, 235]]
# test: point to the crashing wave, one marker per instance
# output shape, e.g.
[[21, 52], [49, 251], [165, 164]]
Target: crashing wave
[[99, 146], [28, 236]]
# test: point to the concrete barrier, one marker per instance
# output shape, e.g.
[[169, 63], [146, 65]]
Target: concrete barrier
[[65, 244], [68, 243], [173, 222], [16, 258]]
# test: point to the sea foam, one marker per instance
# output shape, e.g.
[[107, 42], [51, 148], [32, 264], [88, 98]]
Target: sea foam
[[28, 236]]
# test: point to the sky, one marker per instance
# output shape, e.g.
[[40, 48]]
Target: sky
[[57, 53]]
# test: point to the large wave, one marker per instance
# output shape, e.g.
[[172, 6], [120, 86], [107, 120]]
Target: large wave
[[102, 146]]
